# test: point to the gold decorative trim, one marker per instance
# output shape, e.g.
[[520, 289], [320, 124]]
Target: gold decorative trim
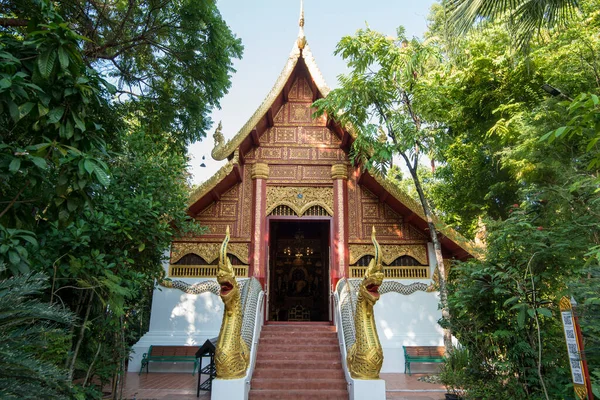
[[339, 171], [260, 171], [208, 251], [565, 304], [394, 272], [580, 391], [204, 271], [390, 252], [299, 199]]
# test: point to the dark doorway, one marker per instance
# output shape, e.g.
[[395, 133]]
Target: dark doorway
[[299, 271]]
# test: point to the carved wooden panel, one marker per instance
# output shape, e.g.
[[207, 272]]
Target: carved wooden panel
[[234, 209], [365, 210]]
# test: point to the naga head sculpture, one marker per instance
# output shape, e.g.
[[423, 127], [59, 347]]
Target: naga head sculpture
[[369, 288], [230, 290]]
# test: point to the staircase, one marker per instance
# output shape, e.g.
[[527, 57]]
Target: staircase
[[298, 361]]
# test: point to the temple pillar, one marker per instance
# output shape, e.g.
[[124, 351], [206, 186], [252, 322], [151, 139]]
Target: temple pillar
[[260, 174], [339, 174]]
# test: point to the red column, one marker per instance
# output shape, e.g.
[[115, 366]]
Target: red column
[[339, 269], [260, 173]]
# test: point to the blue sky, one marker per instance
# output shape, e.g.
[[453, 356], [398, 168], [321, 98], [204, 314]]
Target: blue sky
[[268, 29]]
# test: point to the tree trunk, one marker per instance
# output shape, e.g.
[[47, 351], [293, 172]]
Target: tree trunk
[[438, 256], [80, 339]]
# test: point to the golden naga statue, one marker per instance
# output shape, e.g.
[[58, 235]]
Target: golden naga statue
[[365, 357], [231, 353]]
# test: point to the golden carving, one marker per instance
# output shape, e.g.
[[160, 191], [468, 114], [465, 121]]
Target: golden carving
[[299, 199], [580, 391], [339, 171], [394, 272], [231, 352], [260, 171], [208, 251], [565, 304], [365, 357], [203, 271], [389, 252]]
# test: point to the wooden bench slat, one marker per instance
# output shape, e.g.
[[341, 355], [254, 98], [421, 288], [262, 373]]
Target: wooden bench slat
[[170, 354], [422, 354]]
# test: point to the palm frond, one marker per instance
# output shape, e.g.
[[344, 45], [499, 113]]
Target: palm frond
[[526, 17]]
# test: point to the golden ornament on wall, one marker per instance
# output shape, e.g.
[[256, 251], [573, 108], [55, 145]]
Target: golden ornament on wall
[[299, 199], [208, 251], [390, 252]]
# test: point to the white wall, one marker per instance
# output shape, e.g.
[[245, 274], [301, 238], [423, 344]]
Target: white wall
[[407, 320], [178, 318]]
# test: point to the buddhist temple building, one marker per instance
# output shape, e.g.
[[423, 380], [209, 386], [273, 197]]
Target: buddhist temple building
[[300, 217]]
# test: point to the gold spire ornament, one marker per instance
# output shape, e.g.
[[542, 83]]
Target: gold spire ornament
[[301, 38], [365, 357], [231, 352]]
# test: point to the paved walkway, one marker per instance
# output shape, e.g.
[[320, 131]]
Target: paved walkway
[[174, 386]]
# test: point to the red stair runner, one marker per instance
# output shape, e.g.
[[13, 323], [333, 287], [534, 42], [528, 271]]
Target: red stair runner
[[298, 361]]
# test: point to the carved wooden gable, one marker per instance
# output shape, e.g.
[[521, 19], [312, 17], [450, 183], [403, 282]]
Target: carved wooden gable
[[297, 147]]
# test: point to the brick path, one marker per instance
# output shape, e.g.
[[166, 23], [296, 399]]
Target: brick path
[[175, 386]]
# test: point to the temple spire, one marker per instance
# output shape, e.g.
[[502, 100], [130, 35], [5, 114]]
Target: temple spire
[[301, 38]]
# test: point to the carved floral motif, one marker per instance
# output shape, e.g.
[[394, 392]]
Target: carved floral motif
[[208, 251], [299, 199], [390, 252]]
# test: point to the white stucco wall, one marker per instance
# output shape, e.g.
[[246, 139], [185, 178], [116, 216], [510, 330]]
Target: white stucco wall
[[178, 318], [408, 320]]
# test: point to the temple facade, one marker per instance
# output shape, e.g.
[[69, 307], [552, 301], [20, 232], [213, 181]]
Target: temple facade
[[301, 217]]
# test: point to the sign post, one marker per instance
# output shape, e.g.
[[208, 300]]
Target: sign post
[[579, 370]]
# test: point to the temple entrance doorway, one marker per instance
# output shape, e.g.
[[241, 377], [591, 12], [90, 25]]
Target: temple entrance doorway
[[299, 270]]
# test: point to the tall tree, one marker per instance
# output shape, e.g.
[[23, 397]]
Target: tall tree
[[377, 99], [93, 186], [526, 17], [171, 60]]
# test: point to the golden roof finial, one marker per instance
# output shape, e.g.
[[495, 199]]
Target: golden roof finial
[[301, 38]]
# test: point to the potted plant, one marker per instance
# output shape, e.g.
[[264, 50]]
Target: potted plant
[[454, 373]]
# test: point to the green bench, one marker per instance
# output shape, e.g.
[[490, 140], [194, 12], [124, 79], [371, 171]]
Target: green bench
[[422, 354], [170, 354]]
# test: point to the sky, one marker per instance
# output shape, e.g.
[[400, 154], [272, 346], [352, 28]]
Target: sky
[[268, 30]]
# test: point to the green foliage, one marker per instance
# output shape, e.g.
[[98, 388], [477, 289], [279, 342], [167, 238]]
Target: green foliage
[[527, 17], [92, 179], [27, 326]]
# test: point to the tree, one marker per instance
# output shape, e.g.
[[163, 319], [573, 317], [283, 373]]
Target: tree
[[92, 187], [489, 100], [377, 99], [171, 60], [527, 17], [28, 325]]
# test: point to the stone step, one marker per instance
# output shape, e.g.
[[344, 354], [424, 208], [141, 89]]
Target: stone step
[[296, 355], [299, 327], [298, 373], [307, 394], [294, 340], [299, 334], [297, 384], [305, 348], [293, 364]]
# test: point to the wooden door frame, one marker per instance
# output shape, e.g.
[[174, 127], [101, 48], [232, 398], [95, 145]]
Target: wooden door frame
[[295, 218]]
